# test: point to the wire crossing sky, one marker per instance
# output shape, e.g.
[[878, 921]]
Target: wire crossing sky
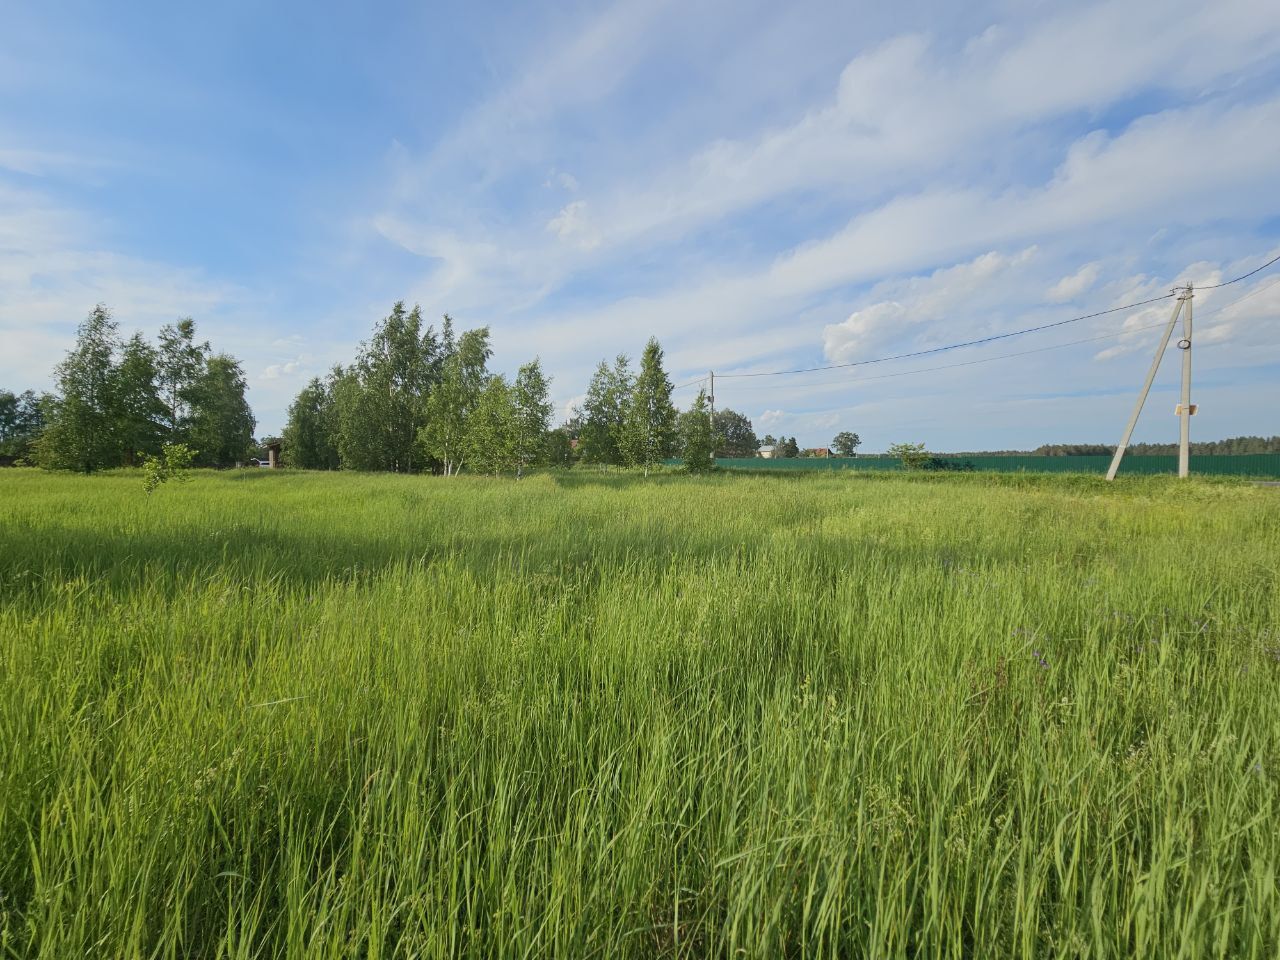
[[1000, 336], [762, 189]]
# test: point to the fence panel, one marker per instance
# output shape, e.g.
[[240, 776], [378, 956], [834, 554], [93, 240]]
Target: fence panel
[[1240, 465]]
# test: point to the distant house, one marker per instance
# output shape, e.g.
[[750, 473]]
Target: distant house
[[768, 452], [823, 452]]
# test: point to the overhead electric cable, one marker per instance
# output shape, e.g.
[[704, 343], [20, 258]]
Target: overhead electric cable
[[950, 346], [963, 363], [1005, 356], [1243, 276], [990, 339], [691, 383]]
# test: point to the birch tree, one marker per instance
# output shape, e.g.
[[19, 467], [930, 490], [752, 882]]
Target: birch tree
[[649, 426]]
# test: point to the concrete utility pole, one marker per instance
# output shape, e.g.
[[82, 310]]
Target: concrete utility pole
[[712, 374], [1151, 376], [1185, 409]]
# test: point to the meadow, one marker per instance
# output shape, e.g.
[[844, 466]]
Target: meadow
[[276, 714]]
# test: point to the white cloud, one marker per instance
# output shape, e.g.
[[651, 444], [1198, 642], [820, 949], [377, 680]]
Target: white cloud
[[922, 300], [1215, 158], [572, 225], [1244, 318], [278, 371], [1070, 287], [569, 407], [903, 110]]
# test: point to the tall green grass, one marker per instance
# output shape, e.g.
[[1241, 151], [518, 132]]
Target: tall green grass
[[273, 714]]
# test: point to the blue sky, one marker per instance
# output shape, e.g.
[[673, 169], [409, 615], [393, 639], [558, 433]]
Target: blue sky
[[760, 185]]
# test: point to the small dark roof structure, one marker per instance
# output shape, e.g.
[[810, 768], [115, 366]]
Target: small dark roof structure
[[273, 452]]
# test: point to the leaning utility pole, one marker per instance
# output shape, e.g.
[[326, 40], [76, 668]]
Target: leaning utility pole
[[1185, 344], [1185, 409]]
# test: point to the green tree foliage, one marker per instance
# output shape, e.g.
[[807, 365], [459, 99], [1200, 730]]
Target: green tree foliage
[[649, 425], [846, 444], [560, 451], [403, 405], [380, 401], [141, 415], [492, 431], [82, 431], [604, 412], [735, 436], [787, 448], [449, 406], [531, 400], [354, 417], [398, 366], [564, 443], [21, 420], [697, 441], [180, 361], [117, 403], [172, 464], [221, 423], [309, 434], [914, 456]]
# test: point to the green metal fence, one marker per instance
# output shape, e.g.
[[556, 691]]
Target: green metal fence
[[1240, 465]]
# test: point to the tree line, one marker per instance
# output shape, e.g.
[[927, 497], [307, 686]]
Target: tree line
[[629, 419], [117, 402], [418, 399], [414, 399]]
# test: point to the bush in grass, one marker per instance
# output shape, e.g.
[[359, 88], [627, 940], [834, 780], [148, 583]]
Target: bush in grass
[[173, 463], [913, 455]]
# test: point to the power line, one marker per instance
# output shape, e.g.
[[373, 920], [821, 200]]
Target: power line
[[991, 339], [1243, 276], [691, 383], [950, 346], [963, 363], [1021, 353]]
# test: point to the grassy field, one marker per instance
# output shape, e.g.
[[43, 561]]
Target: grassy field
[[273, 714]]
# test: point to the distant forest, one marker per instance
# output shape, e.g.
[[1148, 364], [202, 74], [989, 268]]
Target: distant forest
[[1233, 445]]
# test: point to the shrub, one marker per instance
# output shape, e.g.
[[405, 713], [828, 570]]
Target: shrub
[[172, 464], [913, 455]]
